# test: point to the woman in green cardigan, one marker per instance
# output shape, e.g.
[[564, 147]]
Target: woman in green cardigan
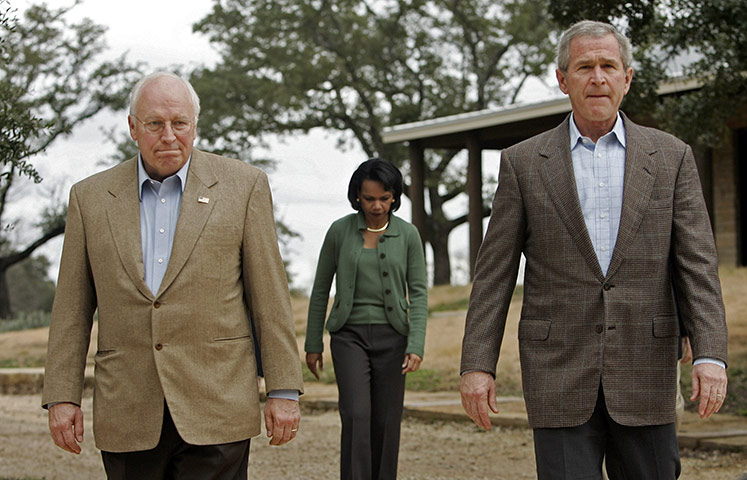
[[377, 321]]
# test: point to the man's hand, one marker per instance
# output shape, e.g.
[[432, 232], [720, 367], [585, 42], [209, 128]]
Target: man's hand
[[709, 382], [312, 361], [66, 426], [478, 394], [281, 419]]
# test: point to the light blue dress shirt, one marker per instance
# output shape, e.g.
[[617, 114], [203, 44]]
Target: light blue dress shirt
[[159, 211], [599, 170], [600, 174], [160, 203]]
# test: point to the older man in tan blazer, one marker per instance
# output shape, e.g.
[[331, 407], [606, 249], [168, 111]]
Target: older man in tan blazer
[[609, 215], [177, 250]]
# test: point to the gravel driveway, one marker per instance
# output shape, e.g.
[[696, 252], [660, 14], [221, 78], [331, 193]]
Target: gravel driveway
[[430, 450]]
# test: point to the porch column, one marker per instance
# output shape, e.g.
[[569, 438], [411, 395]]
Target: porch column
[[417, 187], [474, 191]]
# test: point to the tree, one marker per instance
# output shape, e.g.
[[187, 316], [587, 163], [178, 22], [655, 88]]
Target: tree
[[709, 35], [713, 32], [50, 76], [17, 125], [356, 66], [29, 285]]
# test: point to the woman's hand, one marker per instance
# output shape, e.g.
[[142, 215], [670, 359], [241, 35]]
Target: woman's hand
[[411, 363], [312, 359]]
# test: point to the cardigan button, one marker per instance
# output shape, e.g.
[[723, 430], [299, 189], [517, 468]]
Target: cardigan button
[[385, 273], [387, 291], [383, 255], [389, 308], [381, 239]]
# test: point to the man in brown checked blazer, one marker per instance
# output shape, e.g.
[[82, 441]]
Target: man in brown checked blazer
[[609, 215], [176, 249]]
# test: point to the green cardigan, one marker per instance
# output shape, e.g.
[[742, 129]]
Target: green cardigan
[[402, 273]]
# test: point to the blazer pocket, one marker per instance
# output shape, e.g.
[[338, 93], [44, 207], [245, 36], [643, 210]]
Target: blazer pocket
[[237, 338], [534, 328], [666, 326], [105, 353], [660, 204]]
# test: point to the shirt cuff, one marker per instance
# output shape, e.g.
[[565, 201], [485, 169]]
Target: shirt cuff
[[714, 361], [284, 394]]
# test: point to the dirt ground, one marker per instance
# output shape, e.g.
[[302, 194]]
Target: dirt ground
[[430, 450]]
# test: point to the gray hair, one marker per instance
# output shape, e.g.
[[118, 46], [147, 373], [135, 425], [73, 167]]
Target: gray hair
[[589, 28], [136, 90]]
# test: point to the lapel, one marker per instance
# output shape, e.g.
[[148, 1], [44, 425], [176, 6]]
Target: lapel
[[123, 215], [640, 173], [193, 215], [557, 175]]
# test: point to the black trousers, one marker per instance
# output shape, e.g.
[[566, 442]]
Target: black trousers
[[174, 459], [368, 367], [576, 453]]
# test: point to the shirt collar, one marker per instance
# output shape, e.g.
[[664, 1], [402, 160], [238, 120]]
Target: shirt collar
[[618, 130], [142, 175]]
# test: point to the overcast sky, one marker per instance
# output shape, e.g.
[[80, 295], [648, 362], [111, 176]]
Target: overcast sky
[[310, 181]]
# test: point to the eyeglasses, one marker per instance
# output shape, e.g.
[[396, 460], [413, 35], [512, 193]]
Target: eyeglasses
[[157, 126]]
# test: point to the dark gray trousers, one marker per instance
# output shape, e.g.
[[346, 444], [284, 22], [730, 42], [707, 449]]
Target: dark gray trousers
[[576, 453], [175, 459], [368, 367]]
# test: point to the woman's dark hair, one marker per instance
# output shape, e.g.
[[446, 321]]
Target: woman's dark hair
[[380, 171]]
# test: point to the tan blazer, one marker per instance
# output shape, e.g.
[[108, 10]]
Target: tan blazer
[[191, 342], [578, 327]]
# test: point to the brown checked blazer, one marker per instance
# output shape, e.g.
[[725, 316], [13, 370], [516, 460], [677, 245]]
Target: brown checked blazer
[[579, 328], [191, 342]]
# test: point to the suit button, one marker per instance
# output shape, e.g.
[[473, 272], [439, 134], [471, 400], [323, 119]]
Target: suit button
[[383, 255], [156, 304], [385, 273], [159, 346], [389, 308], [606, 286], [387, 291], [599, 329]]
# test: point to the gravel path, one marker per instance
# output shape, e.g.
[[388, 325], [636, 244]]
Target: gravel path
[[430, 450]]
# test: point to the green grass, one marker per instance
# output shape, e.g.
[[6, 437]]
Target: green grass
[[25, 321], [426, 380], [460, 304], [25, 362], [24, 478], [326, 376]]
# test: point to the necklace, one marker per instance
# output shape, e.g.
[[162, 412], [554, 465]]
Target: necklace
[[377, 230]]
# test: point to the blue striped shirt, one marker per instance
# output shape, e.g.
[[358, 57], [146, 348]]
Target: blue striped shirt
[[599, 170], [159, 211]]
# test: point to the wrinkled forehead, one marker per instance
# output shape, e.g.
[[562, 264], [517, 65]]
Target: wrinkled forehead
[[587, 48], [165, 96]]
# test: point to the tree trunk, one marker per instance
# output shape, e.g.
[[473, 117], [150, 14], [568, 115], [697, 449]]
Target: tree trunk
[[439, 228], [441, 261], [5, 312], [10, 260]]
